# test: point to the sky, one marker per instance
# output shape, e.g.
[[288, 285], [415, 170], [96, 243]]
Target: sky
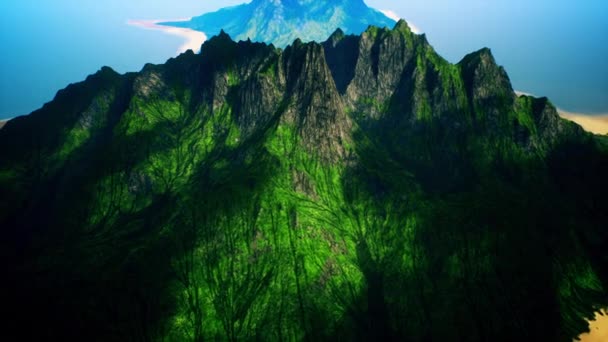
[[555, 48]]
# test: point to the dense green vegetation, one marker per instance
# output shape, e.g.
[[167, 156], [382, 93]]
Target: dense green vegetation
[[240, 194]]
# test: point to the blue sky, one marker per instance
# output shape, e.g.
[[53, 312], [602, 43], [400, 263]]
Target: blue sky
[[556, 48]]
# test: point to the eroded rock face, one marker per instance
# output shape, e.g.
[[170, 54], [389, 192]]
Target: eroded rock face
[[383, 78], [315, 107], [381, 60], [551, 127], [488, 87]]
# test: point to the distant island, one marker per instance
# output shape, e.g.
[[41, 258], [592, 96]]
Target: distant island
[[281, 22]]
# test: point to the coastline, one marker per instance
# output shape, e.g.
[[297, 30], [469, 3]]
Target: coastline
[[597, 124], [598, 328], [192, 39], [592, 123], [3, 122]]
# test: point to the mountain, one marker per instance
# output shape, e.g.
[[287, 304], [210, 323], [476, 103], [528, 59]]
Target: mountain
[[280, 22], [359, 189]]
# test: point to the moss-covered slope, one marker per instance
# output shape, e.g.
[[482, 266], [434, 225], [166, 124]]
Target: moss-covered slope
[[359, 189]]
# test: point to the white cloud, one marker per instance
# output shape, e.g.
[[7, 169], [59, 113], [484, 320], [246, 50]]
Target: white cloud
[[393, 15]]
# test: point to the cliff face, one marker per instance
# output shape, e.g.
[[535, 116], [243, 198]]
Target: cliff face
[[361, 188]]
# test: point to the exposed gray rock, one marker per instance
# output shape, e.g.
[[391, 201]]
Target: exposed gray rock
[[315, 106]]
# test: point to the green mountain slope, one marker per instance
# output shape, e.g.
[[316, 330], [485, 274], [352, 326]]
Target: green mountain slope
[[280, 22], [359, 189]]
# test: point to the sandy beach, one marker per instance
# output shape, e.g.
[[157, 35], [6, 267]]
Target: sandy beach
[[3, 122], [192, 39], [597, 124], [598, 329]]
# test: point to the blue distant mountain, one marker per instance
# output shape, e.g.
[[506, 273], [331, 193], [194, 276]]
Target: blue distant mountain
[[280, 22]]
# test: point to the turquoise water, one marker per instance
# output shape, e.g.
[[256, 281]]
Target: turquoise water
[[554, 48], [47, 44]]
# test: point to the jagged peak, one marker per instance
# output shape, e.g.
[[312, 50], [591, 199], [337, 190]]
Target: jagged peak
[[482, 59], [149, 66], [106, 70], [223, 36], [337, 36], [402, 26], [104, 73], [540, 103], [297, 42], [485, 80], [298, 47], [483, 55], [375, 31], [219, 44]]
